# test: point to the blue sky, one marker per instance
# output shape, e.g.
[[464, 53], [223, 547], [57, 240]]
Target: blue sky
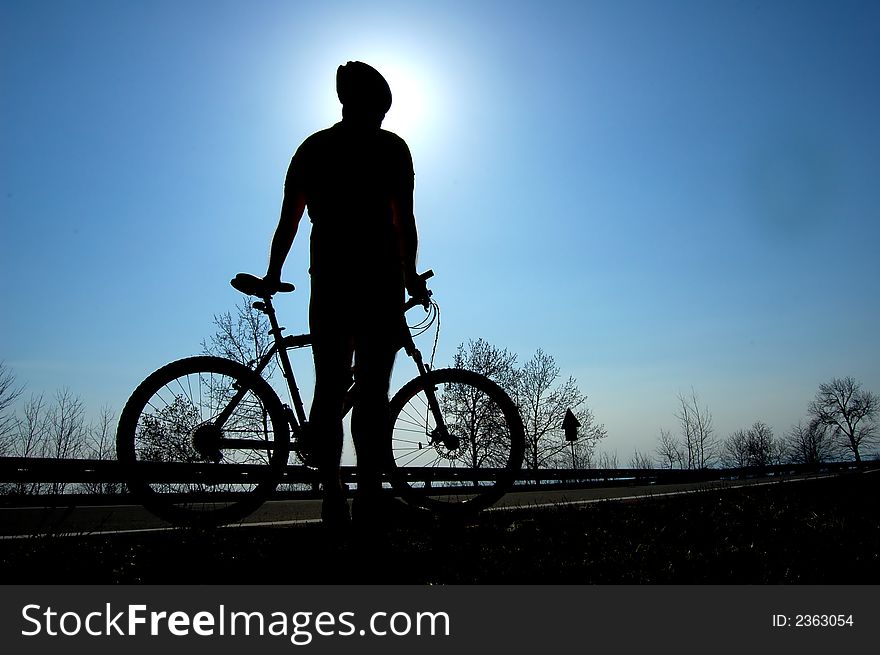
[[662, 195]]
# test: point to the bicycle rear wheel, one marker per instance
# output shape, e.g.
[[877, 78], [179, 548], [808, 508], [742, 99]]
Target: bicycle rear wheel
[[203, 441], [463, 459]]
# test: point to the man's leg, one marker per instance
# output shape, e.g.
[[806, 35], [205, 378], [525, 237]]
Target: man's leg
[[370, 421], [332, 378], [332, 352]]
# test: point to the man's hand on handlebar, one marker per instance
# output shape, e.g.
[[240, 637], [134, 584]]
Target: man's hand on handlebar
[[417, 288]]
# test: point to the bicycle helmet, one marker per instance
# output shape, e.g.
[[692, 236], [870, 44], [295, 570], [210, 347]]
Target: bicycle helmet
[[362, 88]]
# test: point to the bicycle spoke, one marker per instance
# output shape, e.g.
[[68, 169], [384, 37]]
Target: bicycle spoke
[[471, 432], [398, 440], [415, 420], [411, 457], [188, 396], [175, 423]]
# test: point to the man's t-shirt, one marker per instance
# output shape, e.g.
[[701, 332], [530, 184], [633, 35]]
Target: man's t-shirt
[[349, 177]]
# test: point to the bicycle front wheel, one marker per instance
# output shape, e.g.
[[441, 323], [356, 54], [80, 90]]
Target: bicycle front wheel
[[460, 453], [203, 441]]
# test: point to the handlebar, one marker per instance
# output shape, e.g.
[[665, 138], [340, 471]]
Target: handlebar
[[252, 285], [412, 302]]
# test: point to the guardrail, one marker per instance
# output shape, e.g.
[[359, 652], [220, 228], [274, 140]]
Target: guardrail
[[50, 470]]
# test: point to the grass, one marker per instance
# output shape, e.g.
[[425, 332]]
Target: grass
[[823, 531]]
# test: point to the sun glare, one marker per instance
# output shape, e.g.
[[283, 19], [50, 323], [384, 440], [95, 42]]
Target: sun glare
[[414, 98], [408, 115]]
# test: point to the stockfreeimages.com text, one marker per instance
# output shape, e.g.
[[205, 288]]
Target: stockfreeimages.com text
[[300, 627]]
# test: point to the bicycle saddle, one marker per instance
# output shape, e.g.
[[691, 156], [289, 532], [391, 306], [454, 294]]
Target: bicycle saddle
[[256, 286]]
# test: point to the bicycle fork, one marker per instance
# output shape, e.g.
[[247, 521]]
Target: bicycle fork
[[440, 434]]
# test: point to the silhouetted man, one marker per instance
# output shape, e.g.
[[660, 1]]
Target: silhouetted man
[[356, 180]]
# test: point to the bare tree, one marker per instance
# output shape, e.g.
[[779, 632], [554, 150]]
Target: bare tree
[[640, 461], [55, 430], [753, 447], [764, 449], [669, 451], [101, 446], [243, 337], [31, 429], [66, 436], [471, 410], [30, 437], [848, 411], [482, 357], [9, 393], [581, 454], [607, 460], [696, 427], [809, 443], [543, 401], [735, 451]]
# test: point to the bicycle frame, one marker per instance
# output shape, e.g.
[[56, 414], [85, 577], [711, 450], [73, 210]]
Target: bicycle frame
[[297, 416]]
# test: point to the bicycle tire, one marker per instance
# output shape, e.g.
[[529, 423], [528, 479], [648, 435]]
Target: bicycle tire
[[179, 465], [489, 450]]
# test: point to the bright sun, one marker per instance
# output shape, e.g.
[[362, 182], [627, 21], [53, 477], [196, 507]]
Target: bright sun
[[414, 100], [408, 114]]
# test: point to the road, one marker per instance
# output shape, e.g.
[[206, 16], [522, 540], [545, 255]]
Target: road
[[18, 522]]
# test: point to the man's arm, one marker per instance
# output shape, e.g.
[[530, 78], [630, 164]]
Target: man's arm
[[405, 224], [408, 237], [292, 208]]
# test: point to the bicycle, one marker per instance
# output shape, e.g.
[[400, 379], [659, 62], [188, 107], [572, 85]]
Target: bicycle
[[205, 440]]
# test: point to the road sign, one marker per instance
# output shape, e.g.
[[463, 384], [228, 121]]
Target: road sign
[[570, 424]]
